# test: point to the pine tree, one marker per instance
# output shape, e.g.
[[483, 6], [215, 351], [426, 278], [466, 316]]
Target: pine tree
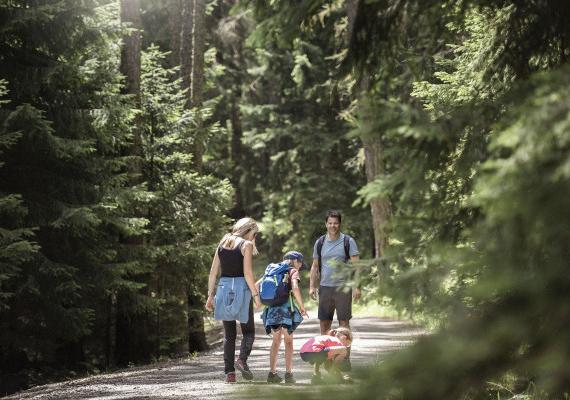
[[478, 234], [17, 247], [186, 210], [66, 167]]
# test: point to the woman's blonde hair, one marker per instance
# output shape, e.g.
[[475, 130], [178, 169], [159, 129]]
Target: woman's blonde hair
[[241, 228]]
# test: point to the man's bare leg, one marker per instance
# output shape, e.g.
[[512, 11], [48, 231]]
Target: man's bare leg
[[325, 326]]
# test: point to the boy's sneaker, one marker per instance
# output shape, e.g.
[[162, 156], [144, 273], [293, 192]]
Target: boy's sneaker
[[273, 378], [345, 378], [244, 369], [289, 378], [230, 377], [316, 379]]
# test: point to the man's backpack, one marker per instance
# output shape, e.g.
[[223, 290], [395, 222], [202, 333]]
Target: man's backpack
[[274, 288], [321, 242]]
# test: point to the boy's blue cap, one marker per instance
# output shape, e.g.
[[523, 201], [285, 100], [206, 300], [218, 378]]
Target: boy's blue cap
[[295, 255]]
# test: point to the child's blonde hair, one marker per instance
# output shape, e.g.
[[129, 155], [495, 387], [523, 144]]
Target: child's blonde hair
[[241, 228], [341, 330]]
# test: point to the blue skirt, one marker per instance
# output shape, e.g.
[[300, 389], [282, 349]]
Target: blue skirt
[[282, 316]]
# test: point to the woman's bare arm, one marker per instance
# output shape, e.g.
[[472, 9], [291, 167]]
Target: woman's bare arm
[[214, 272], [247, 250]]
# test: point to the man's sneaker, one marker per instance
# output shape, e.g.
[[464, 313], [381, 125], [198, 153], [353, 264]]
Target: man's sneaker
[[273, 378], [289, 378], [316, 379], [230, 377], [244, 369]]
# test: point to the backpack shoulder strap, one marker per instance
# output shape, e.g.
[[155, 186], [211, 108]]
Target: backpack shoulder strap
[[346, 248], [320, 243]]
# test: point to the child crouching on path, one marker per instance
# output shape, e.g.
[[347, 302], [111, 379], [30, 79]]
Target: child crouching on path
[[281, 320], [329, 350]]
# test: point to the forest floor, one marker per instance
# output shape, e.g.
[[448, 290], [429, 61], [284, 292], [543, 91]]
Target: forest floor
[[201, 377]]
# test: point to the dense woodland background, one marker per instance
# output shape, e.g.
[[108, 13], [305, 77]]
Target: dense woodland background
[[133, 132]]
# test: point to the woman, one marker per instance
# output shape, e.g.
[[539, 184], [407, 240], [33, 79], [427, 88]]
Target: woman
[[235, 294]]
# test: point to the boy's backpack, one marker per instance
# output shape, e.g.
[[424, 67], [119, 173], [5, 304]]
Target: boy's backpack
[[320, 244], [274, 288]]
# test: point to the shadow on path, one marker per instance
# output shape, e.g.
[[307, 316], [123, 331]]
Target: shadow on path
[[202, 377]]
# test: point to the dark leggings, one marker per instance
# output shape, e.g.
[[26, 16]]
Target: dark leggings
[[230, 334]]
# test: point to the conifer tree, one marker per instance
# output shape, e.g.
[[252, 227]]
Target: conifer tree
[[185, 212], [17, 247], [66, 167], [472, 247]]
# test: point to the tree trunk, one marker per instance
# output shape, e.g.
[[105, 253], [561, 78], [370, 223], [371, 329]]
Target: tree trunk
[[192, 45], [196, 334], [175, 8], [186, 47], [238, 210], [380, 207], [132, 328], [131, 50], [198, 49], [131, 69], [110, 330], [373, 150], [192, 48], [197, 82]]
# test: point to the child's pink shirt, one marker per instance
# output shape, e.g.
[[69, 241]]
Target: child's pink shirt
[[320, 343]]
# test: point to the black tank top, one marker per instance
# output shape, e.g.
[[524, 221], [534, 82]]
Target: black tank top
[[231, 261]]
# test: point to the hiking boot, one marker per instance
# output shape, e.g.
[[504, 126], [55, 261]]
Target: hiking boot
[[273, 378], [316, 379], [231, 377], [289, 378], [244, 369]]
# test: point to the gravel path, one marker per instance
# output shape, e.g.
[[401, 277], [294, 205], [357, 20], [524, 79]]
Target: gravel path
[[202, 377]]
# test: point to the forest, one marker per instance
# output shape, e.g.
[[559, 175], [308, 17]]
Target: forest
[[134, 132]]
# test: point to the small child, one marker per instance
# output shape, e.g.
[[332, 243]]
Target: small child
[[281, 321], [329, 350]]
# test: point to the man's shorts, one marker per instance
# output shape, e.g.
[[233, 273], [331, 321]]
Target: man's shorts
[[334, 298]]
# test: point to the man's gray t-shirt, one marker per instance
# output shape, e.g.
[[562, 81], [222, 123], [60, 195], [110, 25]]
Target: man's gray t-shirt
[[331, 254]]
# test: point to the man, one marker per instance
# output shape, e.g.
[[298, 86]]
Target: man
[[331, 297]]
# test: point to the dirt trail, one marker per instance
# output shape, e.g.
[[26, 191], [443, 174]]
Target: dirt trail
[[201, 377]]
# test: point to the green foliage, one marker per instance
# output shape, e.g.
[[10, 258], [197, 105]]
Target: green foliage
[[468, 102], [16, 241], [479, 229], [305, 159], [432, 159], [75, 280], [67, 171], [281, 22], [186, 210], [512, 317]]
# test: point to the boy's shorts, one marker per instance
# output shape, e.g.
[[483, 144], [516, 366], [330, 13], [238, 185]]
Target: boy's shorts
[[318, 357], [331, 298]]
